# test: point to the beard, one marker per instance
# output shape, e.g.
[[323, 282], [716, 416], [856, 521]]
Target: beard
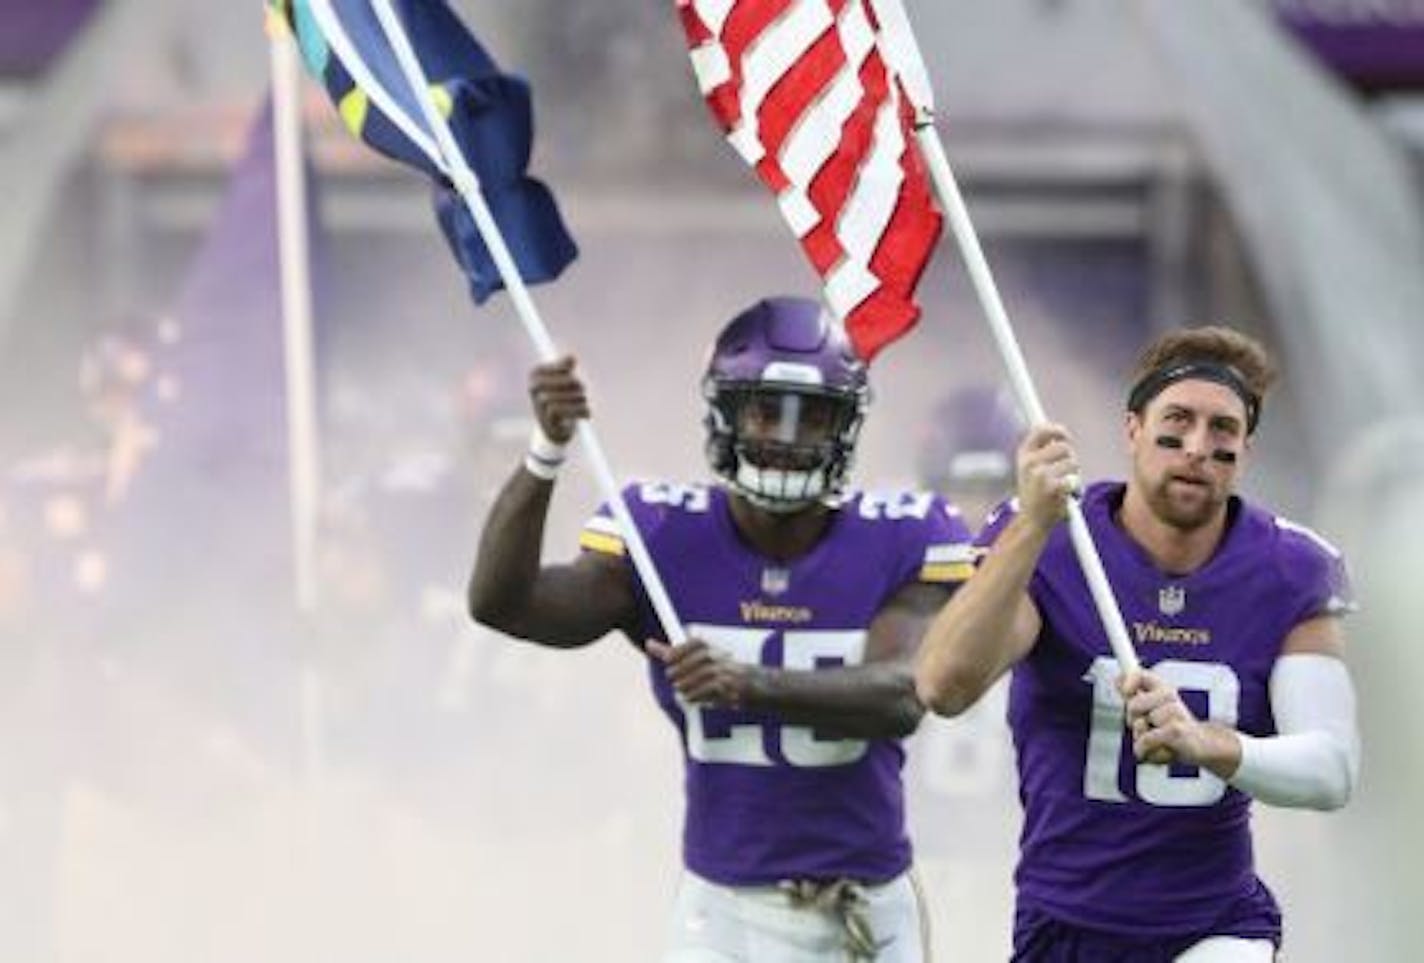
[[1185, 507]]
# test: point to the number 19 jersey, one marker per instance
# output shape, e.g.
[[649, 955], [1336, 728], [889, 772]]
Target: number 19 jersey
[[1151, 850], [767, 801]]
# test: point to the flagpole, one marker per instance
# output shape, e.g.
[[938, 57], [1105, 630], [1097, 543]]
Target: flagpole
[[468, 184], [897, 43], [295, 256], [294, 253]]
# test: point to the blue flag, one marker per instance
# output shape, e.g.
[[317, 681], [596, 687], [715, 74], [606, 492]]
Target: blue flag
[[489, 113]]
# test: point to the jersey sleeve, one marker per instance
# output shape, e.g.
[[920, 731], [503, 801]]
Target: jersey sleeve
[[1316, 572], [601, 533], [994, 526], [652, 504], [945, 546]]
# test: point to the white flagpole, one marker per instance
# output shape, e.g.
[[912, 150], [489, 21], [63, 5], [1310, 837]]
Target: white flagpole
[[897, 43], [468, 185], [293, 245], [294, 251], [304, 478]]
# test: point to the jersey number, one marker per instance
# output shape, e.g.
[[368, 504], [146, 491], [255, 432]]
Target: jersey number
[[750, 744], [895, 505], [691, 498], [1154, 784]]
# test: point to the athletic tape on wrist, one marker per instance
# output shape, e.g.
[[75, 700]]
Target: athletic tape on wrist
[[545, 456]]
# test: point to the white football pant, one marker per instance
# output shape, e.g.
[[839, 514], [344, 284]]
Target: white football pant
[[762, 924], [1229, 949]]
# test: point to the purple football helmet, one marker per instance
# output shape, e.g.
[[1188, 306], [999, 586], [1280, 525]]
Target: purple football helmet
[[786, 395], [971, 442]]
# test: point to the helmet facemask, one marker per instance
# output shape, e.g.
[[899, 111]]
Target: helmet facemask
[[781, 446], [786, 395]]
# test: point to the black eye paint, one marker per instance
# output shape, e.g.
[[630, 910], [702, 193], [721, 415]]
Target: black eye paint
[[1223, 455]]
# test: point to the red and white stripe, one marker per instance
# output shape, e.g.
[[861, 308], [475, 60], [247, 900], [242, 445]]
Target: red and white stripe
[[803, 94]]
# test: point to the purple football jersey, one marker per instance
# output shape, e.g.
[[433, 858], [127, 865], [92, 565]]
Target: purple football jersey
[[768, 801], [1150, 850]]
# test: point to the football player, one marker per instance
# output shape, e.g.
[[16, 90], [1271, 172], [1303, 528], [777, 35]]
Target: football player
[[1136, 844], [804, 604]]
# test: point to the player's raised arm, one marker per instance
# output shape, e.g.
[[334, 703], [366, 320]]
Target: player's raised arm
[[510, 590], [992, 623]]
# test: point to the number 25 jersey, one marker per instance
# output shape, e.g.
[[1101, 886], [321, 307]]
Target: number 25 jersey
[[767, 801]]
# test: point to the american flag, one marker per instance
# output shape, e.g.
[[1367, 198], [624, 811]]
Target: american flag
[[804, 95]]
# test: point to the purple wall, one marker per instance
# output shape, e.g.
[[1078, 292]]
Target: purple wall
[[34, 32]]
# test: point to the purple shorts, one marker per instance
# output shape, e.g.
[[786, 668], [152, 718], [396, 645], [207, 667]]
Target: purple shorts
[[1039, 938]]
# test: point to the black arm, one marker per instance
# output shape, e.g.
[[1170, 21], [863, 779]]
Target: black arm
[[510, 589], [555, 605], [873, 700]]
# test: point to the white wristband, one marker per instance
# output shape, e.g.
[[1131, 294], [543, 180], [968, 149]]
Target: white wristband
[[545, 456]]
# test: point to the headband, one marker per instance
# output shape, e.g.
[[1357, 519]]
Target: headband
[[1159, 379]]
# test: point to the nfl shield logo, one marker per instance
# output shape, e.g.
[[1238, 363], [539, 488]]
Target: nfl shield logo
[[1171, 599], [774, 581]]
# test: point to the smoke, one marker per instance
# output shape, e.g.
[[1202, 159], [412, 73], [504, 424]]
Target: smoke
[[382, 780]]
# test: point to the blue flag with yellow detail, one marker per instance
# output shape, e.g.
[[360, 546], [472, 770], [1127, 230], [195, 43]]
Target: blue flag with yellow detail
[[489, 112]]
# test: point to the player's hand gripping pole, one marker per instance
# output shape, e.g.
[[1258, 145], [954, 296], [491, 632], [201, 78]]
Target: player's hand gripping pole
[[468, 184], [898, 47]]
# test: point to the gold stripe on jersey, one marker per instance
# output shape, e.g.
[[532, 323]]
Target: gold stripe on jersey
[[601, 542], [946, 572]]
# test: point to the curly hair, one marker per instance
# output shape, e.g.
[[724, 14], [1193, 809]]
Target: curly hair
[[1213, 344]]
